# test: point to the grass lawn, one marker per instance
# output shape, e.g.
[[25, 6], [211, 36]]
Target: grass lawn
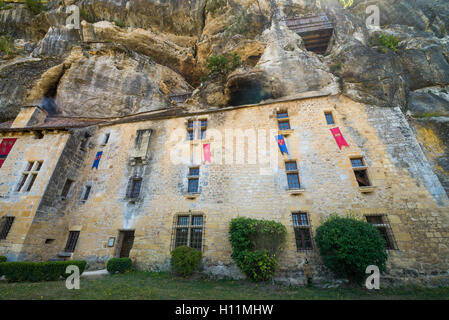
[[147, 285]]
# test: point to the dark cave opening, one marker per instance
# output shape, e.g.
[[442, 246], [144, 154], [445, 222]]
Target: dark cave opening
[[248, 91]]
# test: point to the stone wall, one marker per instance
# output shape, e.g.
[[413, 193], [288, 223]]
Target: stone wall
[[406, 189], [23, 205]]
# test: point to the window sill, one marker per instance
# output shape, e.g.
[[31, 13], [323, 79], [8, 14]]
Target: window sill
[[367, 189], [192, 195], [296, 191], [65, 254], [285, 132]]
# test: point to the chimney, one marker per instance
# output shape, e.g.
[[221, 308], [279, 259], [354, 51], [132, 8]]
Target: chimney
[[30, 116]]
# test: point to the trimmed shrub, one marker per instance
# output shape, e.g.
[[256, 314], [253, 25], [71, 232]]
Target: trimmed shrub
[[348, 246], [185, 260], [3, 259], [256, 245], [259, 265], [37, 271], [120, 265]]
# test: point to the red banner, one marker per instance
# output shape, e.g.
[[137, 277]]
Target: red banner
[[206, 150], [339, 137], [5, 147]]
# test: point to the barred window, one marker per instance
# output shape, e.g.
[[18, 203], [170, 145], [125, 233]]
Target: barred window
[[329, 118], [133, 189], [283, 121], [71, 241], [189, 231], [5, 226], [29, 176], [193, 180], [301, 227], [383, 225], [291, 169], [360, 172]]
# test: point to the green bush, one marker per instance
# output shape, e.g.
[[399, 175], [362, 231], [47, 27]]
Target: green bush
[[214, 5], [34, 6], [6, 44], [120, 265], [223, 64], [259, 265], [256, 245], [37, 271], [185, 260], [385, 43], [3, 259], [119, 23], [347, 246]]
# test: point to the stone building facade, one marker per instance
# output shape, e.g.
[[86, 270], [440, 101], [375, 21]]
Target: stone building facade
[[139, 185]]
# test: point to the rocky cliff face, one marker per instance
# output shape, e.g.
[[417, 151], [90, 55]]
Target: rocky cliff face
[[131, 56]]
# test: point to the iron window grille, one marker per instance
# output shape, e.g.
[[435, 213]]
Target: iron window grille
[[188, 230], [71, 241], [360, 172], [5, 226], [29, 176], [329, 118], [382, 223], [193, 180], [303, 234], [134, 186], [291, 169]]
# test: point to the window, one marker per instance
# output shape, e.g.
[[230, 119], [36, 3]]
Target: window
[[329, 118], [188, 231], [71, 241], [292, 175], [203, 128], [84, 141], [283, 122], [134, 185], [360, 172], [190, 130], [66, 189], [193, 180], [5, 226], [29, 176], [383, 225], [301, 226], [106, 138], [85, 195]]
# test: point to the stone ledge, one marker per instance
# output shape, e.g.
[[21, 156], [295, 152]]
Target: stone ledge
[[367, 189], [296, 191], [192, 195]]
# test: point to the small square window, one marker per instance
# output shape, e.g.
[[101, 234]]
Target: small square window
[[194, 171], [293, 181], [291, 166], [282, 115]]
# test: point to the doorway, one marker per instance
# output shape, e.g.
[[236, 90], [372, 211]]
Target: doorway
[[125, 243]]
